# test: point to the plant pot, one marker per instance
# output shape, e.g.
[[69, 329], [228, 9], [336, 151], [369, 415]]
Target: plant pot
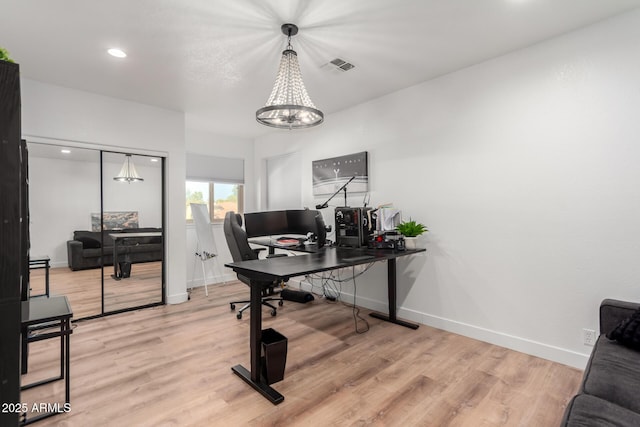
[[410, 242]]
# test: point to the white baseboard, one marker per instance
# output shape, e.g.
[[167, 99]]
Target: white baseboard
[[534, 348], [177, 298], [212, 280], [58, 264], [524, 345]]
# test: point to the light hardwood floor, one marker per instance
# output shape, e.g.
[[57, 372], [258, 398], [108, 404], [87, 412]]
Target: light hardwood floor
[[83, 287], [171, 366]]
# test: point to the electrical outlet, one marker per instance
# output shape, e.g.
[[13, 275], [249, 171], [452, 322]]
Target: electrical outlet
[[589, 336]]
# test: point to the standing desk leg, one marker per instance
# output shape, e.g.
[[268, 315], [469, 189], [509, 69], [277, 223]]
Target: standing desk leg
[[391, 286], [255, 337]]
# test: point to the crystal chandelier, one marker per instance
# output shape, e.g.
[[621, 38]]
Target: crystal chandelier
[[289, 105], [128, 172]]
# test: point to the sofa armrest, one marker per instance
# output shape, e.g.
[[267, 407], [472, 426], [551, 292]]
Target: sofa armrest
[[612, 312], [74, 254]]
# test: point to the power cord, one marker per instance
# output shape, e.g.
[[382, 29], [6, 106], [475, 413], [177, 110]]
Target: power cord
[[356, 309], [331, 287]]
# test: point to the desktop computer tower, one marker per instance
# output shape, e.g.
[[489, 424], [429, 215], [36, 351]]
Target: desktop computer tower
[[353, 226]]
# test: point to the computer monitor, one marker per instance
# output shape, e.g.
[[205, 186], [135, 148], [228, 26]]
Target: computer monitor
[[267, 223], [301, 221], [276, 223]]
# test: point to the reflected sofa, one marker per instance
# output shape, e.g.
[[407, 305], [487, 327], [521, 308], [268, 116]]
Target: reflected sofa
[[86, 249]]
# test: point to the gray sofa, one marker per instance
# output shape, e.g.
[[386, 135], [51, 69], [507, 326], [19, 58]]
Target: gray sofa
[[610, 390], [88, 249]]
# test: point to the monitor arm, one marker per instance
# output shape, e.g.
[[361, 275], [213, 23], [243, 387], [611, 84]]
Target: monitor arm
[[344, 187]]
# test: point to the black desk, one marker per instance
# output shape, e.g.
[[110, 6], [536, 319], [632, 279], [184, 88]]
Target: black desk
[[120, 237], [47, 312], [284, 268]]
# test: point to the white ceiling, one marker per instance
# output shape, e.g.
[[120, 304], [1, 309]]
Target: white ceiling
[[217, 60]]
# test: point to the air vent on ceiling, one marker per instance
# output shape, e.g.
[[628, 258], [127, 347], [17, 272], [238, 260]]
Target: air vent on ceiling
[[340, 64]]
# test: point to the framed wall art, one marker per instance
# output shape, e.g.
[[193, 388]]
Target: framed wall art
[[331, 174]]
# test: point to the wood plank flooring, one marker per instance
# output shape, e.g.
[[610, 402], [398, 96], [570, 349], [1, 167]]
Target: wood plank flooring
[[83, 287], [171, 366]]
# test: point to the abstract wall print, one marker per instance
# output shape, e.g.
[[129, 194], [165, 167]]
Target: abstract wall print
[[331, 174], [115, 220]]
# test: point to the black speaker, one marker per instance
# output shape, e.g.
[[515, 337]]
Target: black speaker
[[321, 230], [296, 296]]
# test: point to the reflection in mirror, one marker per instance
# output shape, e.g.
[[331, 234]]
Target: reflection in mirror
[[64, 190], [132, 227]]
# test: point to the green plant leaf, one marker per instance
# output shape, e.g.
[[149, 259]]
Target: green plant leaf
[[411, 228], [4, 55]]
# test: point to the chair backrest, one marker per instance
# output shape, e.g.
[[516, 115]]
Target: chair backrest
[[237, 238]]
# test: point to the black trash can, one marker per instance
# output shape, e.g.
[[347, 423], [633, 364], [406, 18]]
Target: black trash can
[[125, 269], [274, 355]]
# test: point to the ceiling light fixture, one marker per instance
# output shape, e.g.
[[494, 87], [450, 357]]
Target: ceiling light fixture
[[128, 172], [118, 53], [289, 105], [65, 151]]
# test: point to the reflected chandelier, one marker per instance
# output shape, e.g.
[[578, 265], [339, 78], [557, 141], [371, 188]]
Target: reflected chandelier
[[128, 172], [289, 105]]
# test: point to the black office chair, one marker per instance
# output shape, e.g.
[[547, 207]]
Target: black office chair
[[241, 251]]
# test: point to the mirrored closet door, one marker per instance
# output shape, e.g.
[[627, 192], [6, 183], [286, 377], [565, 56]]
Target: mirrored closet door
[[64, 192], [84, 214], [132, 225]]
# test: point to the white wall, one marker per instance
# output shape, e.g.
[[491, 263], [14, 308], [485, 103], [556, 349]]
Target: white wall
[[121, 196], [210, 144], [62, 196], [279, 171], [525, 169], [54, 112]]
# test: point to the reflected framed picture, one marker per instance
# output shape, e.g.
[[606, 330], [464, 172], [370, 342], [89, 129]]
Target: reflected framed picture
[[331, 174], [115, 220]]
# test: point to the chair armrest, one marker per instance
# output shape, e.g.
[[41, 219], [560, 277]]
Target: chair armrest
[[258, 250], [612, 312]]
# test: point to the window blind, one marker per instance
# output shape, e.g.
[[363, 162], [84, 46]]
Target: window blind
[[212, 168]]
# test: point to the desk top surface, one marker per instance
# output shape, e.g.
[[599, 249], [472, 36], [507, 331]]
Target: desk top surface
[[273, 243], [324, 259], [43, 309]]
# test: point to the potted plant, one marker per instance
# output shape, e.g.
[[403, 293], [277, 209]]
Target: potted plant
[[411, 230], [4, 55]]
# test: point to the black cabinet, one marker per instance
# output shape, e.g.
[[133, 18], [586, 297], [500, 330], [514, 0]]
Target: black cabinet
[[13, 240]]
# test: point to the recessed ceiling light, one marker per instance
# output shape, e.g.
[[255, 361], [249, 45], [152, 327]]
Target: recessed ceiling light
[[65, 151], [154, 160], [118, 53]]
